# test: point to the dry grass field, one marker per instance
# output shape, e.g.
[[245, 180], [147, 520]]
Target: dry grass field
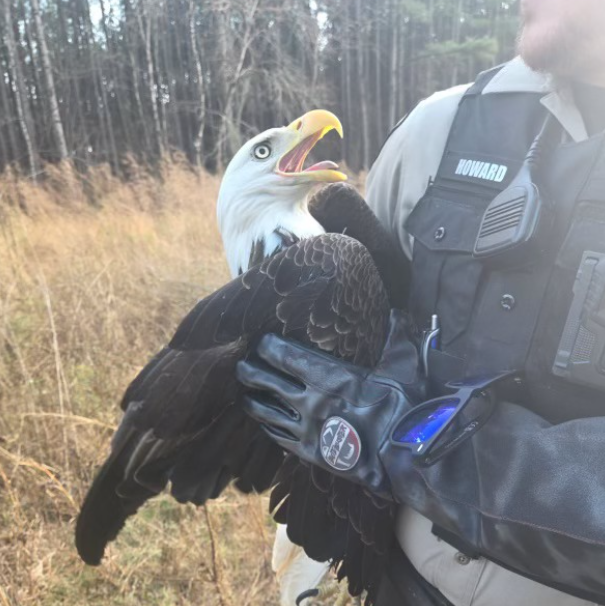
[[87, 294]]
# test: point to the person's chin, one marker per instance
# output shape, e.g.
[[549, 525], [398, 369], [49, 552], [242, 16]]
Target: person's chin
[[535, 60], [540, 53]]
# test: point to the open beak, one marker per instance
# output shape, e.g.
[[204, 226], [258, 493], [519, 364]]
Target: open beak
[[310, 128]]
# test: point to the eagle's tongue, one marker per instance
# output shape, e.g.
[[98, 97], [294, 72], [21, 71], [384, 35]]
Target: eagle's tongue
[[325, 165], [294, 160]]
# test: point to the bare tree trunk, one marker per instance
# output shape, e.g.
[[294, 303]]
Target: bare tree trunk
[[26, 122], [100, 92], [316, 58], [411, 92], [57, 124], [227, 122], [137, 97], [74, 121], [379, 113], [402, 56], [456, 38], [121, 105], [365, 127], [347, 75], [394, 69], [10, 143], [428, 89], [145, 31], [158, 87], [133, 86], [30, 71], [198, 138], [167, 63]]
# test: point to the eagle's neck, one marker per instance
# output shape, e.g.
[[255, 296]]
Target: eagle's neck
[[260, 226]]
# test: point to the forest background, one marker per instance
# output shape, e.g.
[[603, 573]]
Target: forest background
[[96, 81], [116, 120]]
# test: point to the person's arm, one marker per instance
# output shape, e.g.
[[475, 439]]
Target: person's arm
[[522, 492]]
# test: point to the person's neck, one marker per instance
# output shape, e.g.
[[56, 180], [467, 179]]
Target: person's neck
[[571, 82], [595, 78]]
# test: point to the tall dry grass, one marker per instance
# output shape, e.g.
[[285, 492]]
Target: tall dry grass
[[87, 294]]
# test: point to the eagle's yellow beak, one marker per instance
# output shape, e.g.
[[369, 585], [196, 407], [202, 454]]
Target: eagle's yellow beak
[[310, 128]]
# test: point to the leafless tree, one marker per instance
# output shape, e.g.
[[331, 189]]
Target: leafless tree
[[47, 69], [146, 78]]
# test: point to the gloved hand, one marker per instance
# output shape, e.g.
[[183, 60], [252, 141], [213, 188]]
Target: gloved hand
[[331, 413]]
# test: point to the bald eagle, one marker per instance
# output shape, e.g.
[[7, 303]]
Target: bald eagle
[[325, 273]]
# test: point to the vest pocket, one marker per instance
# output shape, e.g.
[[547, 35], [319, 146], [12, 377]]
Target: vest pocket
[[574, 310], [445, 275], [566, 362]]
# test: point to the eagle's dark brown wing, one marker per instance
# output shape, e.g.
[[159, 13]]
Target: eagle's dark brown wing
[[340, 209], [183, 421]]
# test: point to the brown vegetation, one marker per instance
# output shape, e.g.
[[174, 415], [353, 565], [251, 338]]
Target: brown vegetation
[[87, 294]]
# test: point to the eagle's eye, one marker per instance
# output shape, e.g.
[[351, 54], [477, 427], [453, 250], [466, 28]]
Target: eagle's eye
[[262, 151]]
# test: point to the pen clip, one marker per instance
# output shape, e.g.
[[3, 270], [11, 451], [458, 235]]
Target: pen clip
[[430, 341]]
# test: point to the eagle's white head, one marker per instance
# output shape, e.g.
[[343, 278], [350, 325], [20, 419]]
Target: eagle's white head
[[265, 189]]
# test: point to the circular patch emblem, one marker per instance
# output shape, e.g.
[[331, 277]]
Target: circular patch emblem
[[340, 444]]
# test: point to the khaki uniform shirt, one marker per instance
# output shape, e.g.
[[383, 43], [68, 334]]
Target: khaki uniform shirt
[[409, 159]]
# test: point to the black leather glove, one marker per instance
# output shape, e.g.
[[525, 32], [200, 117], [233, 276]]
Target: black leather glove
[[524, 493], [331, 413]]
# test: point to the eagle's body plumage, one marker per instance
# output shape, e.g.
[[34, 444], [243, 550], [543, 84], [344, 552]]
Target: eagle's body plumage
[[184, 423]]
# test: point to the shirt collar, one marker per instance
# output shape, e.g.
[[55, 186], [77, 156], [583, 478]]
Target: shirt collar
[[517, 77]]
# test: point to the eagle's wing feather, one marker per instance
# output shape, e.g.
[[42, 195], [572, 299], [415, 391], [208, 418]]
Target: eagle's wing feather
[[346, 319], [340, 209], [183, 422]]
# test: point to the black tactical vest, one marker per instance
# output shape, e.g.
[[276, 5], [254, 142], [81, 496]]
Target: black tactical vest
[[544, 315]]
